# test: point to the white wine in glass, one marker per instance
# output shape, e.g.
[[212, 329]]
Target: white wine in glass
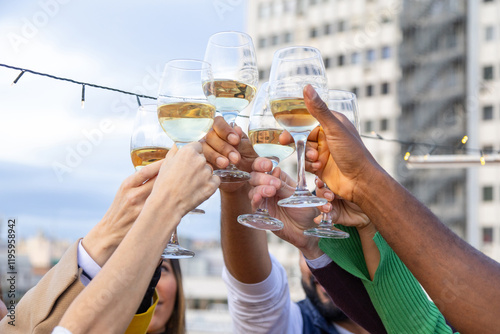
[[292, 69], [264, 132], [234, 65], [148, 142], [186, 113]]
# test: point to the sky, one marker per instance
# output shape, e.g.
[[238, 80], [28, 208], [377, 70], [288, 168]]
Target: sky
[[61, 165]]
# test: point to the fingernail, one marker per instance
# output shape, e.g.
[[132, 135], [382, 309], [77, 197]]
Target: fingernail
[[310, 92], [232, 138], [275, 183], [327, 207], [268, 191], [329, 196], [233, 157], [220, 162]]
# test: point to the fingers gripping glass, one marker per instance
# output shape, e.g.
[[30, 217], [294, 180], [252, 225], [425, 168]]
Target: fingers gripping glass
[[292, 69], [263, 132], [345, 103], [186, 113], [234, 65]]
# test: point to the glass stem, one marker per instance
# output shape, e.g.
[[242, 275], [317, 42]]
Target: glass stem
[[173, 238], [326, 221], [300, 139], [230, 118], [263, 206]]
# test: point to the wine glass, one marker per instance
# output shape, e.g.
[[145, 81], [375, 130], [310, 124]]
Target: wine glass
[[292, 69], [186, 114], [148, 143], [232, 56], [263, 132], [345, 103]]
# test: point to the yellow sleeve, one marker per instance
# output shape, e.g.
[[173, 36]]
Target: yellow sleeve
[[140, 322]]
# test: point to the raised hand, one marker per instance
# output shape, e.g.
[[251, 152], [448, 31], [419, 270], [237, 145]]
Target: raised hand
[[276, 186], [336, 154], [223, 145], [185, 180], [105, 237]]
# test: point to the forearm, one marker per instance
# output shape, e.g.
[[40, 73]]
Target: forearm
[[370, 250], [462, 282], [122, 282], [244, 249]]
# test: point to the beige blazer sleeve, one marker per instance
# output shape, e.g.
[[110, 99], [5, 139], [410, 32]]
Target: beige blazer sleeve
[[43, 306]]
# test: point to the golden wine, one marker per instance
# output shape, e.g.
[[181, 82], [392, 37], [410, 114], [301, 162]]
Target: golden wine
[[147, 155], [230, 95], [292, 114], [266, 144], [186, 122]]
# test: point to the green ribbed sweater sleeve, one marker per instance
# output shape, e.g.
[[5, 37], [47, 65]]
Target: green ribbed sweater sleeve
[[395, 293]]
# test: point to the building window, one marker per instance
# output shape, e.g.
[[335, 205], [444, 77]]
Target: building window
[[355, 58], [487, 194], [262, 42], [341, 26], [488, 0], [487, 235], [488, 149], [340, 60], [386, 52], [488, 73], [328, 29], [368, 126], [287, 37], [489, 33], [384, 124], [385, 88], [354, 90], [369, 90], [370, 55], [313, 33], [487, 113], [328, 62]]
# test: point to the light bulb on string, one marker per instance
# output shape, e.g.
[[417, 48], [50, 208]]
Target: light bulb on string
[[83, 96], [482, 160], [17, 78], [408, 153]]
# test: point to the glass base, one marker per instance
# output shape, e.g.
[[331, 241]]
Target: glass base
[[197, 211], [302, 199], [232, 175], [326, 232], [176, 252], [260, 222]]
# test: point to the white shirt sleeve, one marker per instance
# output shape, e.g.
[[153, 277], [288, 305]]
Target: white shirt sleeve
[[263, 307], [60, 330], [87, 263], [319, 262]]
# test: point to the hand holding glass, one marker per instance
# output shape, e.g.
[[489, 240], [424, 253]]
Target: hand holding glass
[[234, 66], [263, 132], [186, 114], [345, 103], [292, 69]]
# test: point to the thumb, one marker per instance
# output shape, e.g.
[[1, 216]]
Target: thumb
[[318, 108]]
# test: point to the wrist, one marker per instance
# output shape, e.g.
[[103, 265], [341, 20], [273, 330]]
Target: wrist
[[100, 245], [312, 250]]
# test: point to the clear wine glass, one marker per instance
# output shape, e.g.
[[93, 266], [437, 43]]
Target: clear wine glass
[[264, 132], [292, 69], [148, 143], [232, 56], [345, 103], [186, 114]]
